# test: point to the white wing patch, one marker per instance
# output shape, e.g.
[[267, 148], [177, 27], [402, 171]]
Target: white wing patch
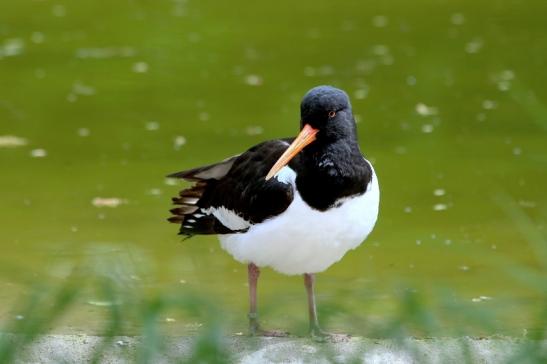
[[228, 218]]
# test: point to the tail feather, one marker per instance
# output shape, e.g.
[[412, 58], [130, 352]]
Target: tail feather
[[191, 211]]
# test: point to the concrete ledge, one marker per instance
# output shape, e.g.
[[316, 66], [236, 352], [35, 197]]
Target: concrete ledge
[[80, 349]]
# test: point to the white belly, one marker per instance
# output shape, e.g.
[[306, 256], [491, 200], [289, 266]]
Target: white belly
[[304, 240]]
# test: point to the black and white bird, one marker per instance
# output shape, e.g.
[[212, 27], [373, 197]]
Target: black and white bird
[[296, 205]]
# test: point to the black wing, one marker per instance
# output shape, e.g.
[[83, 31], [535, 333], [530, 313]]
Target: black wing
[[230, 196]]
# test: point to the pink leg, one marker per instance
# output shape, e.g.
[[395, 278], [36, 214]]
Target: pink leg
[[309, 282], [254, 326], [315, 331], [254, 273]]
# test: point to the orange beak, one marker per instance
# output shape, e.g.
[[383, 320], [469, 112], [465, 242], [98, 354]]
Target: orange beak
[[306, 136]]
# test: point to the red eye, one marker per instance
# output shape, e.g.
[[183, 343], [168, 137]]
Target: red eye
[[332, 114]]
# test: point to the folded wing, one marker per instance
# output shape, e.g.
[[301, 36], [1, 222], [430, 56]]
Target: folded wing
[[230, 196]]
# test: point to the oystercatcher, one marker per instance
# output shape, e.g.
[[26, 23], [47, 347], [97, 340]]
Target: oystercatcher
[[296, 205]]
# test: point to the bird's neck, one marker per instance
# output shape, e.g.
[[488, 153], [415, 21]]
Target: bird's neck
[[331, 171]]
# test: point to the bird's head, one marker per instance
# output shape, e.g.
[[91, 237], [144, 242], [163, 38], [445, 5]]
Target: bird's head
[[325, 117]]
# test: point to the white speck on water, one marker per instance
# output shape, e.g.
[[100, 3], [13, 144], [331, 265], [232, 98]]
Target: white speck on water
[[12, 47], [71, 97], [179, 7], [517, 151], [140, 67], [182, 281], [439, 192], [411, 80], [380, 21], [366, 65], [504, 85], [464, 268], [494, 247], [170, 319], [107, 202], [81, 89], [101, 216], [481, 116], [504, 79], [418, 242], [37, 37], [358, 118], [448, 242], [309, 71], [39, 73], [152, 126], [433, 236], [154, 192], [457, 19], [83, 132], [58, 10], [427, 128], [12, 141], [170, 181], [254, 130], [440, 207], [424, 110], [400, 149], [74, 229], [38, 153], [507, 75], [194, 37], [474, 46], [251, 54], [103, 53], [326, 70], [380, 50], [481, 299], [253, 80], [99, 303], [489, 104], [204, 116], [407, 209], [178, 142], [361, 93], [19, 317]]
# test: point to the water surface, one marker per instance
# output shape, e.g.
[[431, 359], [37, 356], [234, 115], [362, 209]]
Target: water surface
[[104, 101]]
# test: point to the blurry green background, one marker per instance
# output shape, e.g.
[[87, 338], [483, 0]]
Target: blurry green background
[[102, 100]]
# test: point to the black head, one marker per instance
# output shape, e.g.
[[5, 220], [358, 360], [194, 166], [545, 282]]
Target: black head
[[325, 121], [328, 109]]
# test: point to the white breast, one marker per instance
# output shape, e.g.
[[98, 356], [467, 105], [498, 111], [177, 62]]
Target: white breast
[[304, 240]]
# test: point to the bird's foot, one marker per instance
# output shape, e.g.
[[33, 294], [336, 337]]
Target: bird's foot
[[256, 330], [272, 333], [319, 335]]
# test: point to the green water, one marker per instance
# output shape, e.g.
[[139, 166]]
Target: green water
[[449, 96]]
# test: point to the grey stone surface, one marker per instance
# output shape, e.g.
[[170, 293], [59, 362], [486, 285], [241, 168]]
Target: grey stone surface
[[81, 348]]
